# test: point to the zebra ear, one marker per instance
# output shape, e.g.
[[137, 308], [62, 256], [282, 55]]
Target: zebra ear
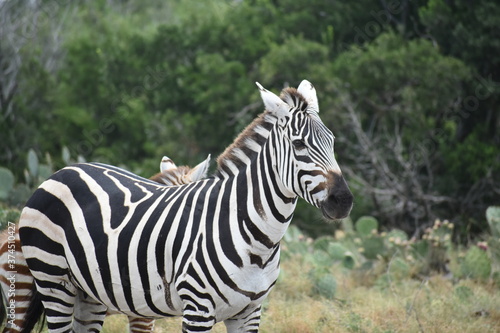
[[307, 90], [200, 171], [273, 103], [167, 164]]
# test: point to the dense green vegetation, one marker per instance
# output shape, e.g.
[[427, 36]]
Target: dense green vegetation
[[410, 89]]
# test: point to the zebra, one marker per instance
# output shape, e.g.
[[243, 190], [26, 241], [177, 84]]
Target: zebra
[[18, 285], [171, 174], [207, 251]]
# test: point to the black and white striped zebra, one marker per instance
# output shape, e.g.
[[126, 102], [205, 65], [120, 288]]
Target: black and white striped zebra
[[16, 281], [207, 251]]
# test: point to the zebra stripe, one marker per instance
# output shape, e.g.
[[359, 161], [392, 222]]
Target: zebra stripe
[[169, 174], [207, 251]]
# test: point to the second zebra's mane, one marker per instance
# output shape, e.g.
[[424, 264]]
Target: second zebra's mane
[[175, 176], [255, 134]]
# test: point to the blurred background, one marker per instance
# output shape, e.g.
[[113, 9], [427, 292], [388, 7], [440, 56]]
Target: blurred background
[[409, 88]]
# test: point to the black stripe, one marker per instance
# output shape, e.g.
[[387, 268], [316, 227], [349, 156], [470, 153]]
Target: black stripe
[[116, 195], [199, 295], [143, 257], [160, 249], [86, 199], [39, 240], [225, 228], [204, 268], [198, 211], [57, 212], [55, 286]]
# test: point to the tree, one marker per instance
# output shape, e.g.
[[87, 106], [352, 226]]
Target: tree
[[398, 97]]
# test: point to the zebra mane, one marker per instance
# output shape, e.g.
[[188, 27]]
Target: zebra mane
[[256, 133]]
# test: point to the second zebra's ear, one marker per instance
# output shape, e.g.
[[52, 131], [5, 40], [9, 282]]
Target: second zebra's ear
[[200, 171], [167, 164], [273, 103]]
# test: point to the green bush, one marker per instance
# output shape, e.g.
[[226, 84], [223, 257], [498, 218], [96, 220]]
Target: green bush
[[476, 264], [8, 215]]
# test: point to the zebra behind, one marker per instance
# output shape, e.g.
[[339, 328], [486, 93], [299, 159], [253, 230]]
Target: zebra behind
[[16, 287], [207, 251]]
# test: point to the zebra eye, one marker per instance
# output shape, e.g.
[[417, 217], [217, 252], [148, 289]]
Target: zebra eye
[[299, 144]]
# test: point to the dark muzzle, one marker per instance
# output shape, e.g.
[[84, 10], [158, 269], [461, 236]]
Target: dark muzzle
[[339, 201]]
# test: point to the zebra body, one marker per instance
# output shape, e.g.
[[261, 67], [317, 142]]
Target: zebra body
[[207, 250], [110, 282], [170, 174]]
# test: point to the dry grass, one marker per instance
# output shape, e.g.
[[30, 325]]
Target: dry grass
[[436, 305]]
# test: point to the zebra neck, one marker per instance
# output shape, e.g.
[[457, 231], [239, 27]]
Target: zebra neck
[[246, 147], [265, 206]]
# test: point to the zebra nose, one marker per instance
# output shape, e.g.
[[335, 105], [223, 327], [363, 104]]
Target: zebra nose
[[339, 201]]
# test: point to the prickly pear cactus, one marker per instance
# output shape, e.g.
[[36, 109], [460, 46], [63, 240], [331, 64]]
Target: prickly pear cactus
[[398, 269], [294, 242], [476, 264], [322, 243], [6, 183], [420, 249], [321, 260], [373, 246], [493, 217], [396, 236], [65, 155], [464, 293], [366, 225], [325, 285], [340, 253], [337, 251], [32, 163], [19, 195], [44, 172]]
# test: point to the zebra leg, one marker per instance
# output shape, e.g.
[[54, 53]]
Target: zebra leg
[[197, 322], [136, 324], [15, 287], [88, 314], [197, 317], [248, 323], [58, 296], [140, 325]]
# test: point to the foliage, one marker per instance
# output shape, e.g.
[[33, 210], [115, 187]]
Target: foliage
[[7, 183], [493, 243], [411, 93], [493, 217], [476, 264], [34, 174], [8, 215], [410, 99], [374, 258]]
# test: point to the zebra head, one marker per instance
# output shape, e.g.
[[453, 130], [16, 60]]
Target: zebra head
[[171, 174], [305, 160]]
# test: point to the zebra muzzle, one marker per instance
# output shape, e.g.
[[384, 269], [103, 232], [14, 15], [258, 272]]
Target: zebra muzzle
[[338, 203]]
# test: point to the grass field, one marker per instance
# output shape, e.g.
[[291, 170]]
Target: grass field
[[435, 304]]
